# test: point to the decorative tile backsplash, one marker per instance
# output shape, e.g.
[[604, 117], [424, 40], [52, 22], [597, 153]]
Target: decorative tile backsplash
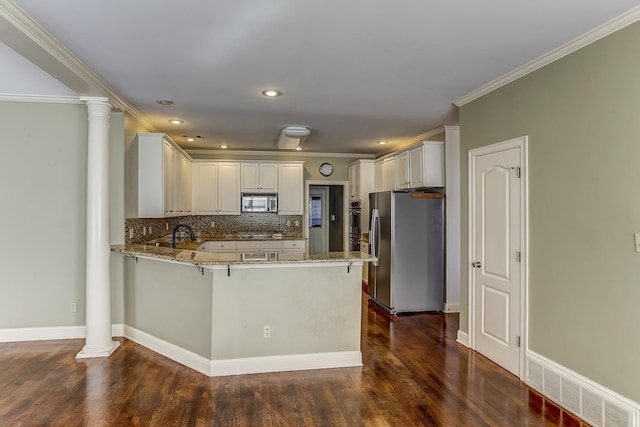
[[257, 223]]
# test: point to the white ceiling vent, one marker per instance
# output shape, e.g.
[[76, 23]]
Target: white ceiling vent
[[291, 136]]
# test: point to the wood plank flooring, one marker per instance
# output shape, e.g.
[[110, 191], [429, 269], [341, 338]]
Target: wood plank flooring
[[414, 374]]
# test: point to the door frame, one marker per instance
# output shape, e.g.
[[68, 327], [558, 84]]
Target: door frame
[[523, 144], [324, 191], [345, 202]]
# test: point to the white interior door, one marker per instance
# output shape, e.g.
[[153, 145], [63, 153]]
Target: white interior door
[[318, 224], [496, 251]]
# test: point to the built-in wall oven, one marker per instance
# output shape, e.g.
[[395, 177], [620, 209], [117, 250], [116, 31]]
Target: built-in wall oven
[[354, 225]]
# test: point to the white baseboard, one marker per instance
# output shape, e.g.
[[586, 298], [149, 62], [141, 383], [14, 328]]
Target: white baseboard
[[452, 308], [463, 338], [172, 351], [51, 333], [587, 399], [117, 330], [42, 334], [293, 362]]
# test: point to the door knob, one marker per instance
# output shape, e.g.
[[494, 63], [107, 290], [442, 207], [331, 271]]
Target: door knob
[[476, 264]]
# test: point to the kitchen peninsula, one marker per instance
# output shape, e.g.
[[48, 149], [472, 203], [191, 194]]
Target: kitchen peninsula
[[227, 313]]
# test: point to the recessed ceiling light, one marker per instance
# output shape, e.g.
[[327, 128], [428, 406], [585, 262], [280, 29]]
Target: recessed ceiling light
[[164, 102], [298, 148], [177, 121], [271, 93], [191, 139], [382, 142], [224, 146]]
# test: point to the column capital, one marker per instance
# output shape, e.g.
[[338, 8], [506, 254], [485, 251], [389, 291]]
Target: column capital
[[95, 99]]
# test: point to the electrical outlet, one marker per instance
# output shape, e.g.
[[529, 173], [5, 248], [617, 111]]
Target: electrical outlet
[[288, 223], [149, 229], [166, 225], [144, 231], [213, 224], [74, 307], [131, 233], [637, 237], [298, 222], [267, 331]]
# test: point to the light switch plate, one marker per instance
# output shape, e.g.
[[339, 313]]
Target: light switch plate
[[637, 236]]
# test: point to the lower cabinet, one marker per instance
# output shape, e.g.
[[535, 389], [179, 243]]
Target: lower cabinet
[[293, 246], [260, 247]]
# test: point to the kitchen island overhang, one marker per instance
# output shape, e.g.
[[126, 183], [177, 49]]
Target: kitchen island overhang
[[225, 314]]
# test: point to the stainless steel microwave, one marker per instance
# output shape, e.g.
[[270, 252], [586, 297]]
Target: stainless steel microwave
[[259, 202]]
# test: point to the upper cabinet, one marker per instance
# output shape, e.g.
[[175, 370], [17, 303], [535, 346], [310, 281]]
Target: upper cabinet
[[421, 165], [217, 188], [170, 183], [259, 177], [291, 188], [164, 177], [361, 179], [378, 175]]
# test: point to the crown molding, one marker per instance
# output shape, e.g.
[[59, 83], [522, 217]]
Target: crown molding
[[277, 153], [579, 42], [35, 32], [49, 99]]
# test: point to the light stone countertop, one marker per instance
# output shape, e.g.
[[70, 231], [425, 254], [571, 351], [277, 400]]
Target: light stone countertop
[[190, 256]]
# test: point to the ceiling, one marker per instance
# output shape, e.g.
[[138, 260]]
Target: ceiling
[[353, 72]]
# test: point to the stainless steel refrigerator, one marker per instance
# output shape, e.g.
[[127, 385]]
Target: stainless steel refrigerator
[[407, 236]]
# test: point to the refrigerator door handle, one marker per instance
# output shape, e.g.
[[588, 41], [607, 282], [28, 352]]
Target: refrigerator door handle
[[374, 234]]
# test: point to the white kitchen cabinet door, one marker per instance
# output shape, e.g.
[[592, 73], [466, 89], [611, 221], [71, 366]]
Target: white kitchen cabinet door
[[290, 189], [228, 189], [186, 192], [168, 166], [402, 171], [292, 246], [354, 182], [259, 177], [206, 188], [217, 188], [389, 174], [416, 167], [163, 177], [378, 176]]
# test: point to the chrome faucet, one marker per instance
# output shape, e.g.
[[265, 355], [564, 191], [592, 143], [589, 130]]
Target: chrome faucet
[[175, 230]]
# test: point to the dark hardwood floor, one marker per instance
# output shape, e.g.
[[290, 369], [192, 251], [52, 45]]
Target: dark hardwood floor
[[414, 374]]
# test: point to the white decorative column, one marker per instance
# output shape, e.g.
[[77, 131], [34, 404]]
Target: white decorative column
[[98, 276]]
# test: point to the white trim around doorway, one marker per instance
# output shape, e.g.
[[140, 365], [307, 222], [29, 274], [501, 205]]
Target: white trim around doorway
[[522, 143]]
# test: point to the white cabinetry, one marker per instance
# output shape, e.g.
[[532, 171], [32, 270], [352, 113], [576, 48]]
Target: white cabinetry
[[218, 246], [259, 177], [164, 177], [252, 246], [354, 181], [217, 188], [421, 165], [290, 188], [389, 173], [260, 247], [361, 172], [402, 171], [378, 176], [293, 246]]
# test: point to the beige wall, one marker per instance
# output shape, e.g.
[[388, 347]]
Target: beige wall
[[311, 163], [582, 116]]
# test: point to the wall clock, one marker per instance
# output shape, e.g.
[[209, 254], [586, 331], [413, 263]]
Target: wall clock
[[326, 169]]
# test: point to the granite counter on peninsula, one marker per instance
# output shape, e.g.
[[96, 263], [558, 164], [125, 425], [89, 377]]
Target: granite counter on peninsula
[[237, 314]]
